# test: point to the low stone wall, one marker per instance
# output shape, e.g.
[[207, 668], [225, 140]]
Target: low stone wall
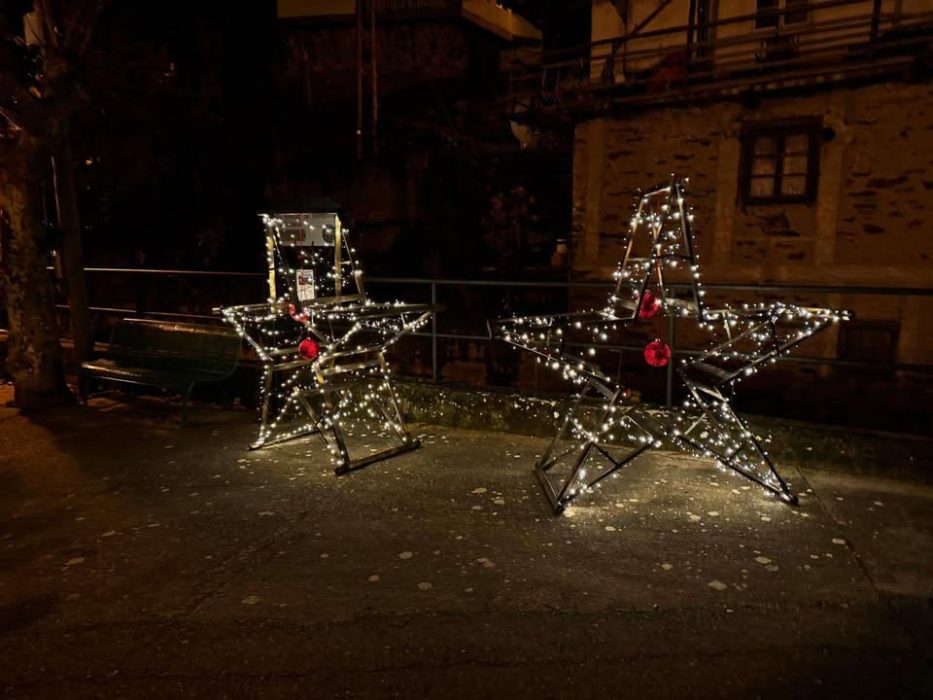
[[791, 442]]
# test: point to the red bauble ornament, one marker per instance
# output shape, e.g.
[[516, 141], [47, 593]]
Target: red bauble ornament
[[308, 349], [657, 354], [650, 305]]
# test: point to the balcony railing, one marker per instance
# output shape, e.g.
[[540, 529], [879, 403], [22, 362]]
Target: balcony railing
[[763, 51]]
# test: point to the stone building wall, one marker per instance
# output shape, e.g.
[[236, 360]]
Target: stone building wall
[[867, 227]]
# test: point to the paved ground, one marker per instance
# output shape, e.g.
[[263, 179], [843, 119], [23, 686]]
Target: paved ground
[[140, 559]]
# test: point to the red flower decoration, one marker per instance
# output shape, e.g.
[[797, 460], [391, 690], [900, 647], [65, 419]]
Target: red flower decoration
[[650, 305], [657, 354], [308, 349]]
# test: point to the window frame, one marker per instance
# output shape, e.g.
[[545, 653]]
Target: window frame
[[811, 128]]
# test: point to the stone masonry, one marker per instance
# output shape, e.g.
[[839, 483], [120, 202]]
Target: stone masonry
[[868, 226]]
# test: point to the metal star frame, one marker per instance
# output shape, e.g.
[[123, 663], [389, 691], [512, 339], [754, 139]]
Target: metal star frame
[[322, 342], [602, 431]]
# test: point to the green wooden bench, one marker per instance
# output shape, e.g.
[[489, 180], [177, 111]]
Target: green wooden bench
[[164, 354]]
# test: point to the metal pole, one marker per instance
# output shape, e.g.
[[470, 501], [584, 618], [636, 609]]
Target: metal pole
[[672, 334], [71, 255], [434, 335], [691, 28], [359, 79], [875, 19], [374, 106]]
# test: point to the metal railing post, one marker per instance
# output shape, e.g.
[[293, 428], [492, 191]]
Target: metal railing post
[[672, 335], [434, 335]]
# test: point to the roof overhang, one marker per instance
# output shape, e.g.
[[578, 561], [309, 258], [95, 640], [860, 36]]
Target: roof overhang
[[487, 14]]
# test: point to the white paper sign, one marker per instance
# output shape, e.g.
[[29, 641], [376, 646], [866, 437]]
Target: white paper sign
[[305, 280]]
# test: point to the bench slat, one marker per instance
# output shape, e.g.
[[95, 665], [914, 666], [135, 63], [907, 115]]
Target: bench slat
[[166, 354]]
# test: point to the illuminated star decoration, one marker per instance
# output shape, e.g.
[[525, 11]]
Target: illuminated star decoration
[[322, 343], [601, 431]]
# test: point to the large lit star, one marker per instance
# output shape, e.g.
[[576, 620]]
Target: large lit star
[[602, 431], [322, 343]]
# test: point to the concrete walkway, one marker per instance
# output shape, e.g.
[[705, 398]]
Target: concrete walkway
[[143, 559]]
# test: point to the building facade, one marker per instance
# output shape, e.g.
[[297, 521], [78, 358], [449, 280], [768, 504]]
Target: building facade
[[806, 129]]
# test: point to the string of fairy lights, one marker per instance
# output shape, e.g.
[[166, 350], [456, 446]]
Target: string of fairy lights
[[742, 339], [322, 341]]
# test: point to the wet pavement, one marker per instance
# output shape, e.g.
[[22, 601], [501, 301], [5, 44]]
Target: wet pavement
[[144, 559]]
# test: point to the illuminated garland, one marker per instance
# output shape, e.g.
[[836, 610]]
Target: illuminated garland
[[744, 338], [322, 342]]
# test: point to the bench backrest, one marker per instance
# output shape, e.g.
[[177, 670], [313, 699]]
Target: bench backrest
[[169, 345]]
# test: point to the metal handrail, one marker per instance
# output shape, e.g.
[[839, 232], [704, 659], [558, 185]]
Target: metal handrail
[[157, 271], [722, 286], [432, 284], [446, 281], [821, 46]]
